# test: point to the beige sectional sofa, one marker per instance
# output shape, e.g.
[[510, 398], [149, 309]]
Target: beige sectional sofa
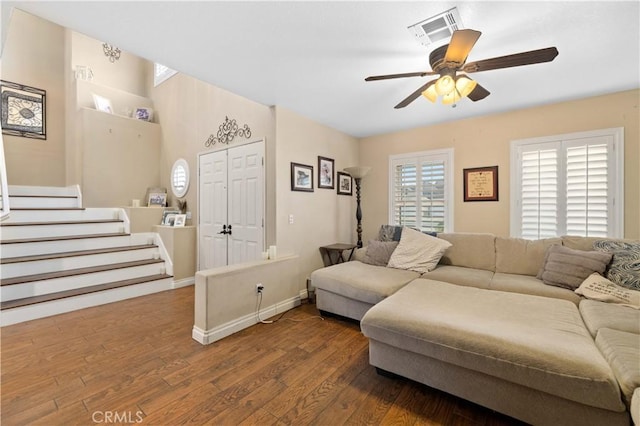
[[482, 326]]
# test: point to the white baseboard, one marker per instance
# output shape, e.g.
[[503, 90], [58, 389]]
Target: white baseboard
[[184, 282], [206, 337]]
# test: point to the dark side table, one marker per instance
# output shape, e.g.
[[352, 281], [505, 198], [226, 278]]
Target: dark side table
[[334, 253]]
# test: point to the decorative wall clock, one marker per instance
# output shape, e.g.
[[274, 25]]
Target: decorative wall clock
[[23, 110]]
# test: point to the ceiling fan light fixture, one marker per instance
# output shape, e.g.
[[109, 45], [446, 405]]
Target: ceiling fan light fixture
[[431, 94], [451, 98], [465, 85], [445, 85]]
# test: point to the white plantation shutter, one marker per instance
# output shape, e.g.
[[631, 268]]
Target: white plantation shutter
[[587, 190], [539, 191], [568, 185], [419, 190]]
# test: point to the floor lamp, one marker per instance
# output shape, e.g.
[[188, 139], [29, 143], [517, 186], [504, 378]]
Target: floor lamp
[[357, 173]]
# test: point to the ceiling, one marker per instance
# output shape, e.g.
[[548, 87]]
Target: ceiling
[[312, 57]]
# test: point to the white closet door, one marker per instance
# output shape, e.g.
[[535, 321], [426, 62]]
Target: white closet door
[[246, 192], [231, 195], [212, 211]]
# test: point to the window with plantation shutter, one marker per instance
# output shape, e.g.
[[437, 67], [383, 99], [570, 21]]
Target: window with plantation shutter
[[420, 186], [568, 185]]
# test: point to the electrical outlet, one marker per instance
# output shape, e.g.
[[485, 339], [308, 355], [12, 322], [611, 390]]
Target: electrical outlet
[[188, 215], [290, 219], [259, 288]]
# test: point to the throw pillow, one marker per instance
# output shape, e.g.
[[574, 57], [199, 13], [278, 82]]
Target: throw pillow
[[597, 287], [389, 233], [624, 269], [394, 233], [379, 252], [417, 251], [568, 268]]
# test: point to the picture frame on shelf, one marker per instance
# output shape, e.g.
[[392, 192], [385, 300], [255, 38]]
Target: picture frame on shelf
[[180, 220], [345, 184], [102, 104], [301, 177], [23, 110], [157, 199], [326, 173], [168, 216], [480, 183], [143, 113]]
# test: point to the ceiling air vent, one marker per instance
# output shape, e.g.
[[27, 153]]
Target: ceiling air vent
[[436, 28]]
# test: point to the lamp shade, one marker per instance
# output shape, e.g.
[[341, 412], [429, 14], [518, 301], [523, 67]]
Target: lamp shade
[[464, 85], [357, 172], [430, 93], [445, 85]]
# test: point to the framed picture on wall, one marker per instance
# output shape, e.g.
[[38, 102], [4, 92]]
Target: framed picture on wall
[[325, 173], [344, 184], [301, 177], [481, 184], [23, 110]]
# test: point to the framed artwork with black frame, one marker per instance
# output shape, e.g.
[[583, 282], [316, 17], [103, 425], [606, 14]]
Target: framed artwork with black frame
[[325, 173], [301, 177], [23, 110], [344, 184], [481, 184]]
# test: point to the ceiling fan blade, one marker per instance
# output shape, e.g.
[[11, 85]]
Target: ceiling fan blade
[[403, 75], [478, 93], [462, 41], [412, 97], [525, 58]]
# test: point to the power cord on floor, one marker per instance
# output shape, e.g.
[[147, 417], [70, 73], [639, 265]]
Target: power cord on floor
[[259, 303]]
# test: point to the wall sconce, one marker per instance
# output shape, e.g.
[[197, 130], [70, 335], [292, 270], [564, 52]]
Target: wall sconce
[[111, 52]]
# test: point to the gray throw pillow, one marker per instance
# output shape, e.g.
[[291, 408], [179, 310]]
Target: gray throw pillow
[[389, 233], [624, 269], [568, 268], [379, 252]]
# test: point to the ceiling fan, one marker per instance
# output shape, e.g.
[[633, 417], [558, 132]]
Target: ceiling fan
[[450, 59]]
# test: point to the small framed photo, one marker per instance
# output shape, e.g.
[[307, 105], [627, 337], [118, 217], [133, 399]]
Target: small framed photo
[[144, 114], [325, 173], [23, 110], [344, 184], [481, 184], [102, 104], [157, 199], [181, 219], [301, 177], [169, 216]]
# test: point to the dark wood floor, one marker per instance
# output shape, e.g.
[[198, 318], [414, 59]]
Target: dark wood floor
[[135, 361]]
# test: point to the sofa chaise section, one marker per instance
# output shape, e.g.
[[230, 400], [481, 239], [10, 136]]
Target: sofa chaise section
[[526, 356], [350, 289]]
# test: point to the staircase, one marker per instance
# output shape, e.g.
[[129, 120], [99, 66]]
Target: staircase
[[56, 256]]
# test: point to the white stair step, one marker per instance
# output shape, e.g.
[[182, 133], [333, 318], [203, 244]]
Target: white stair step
[[73, 260], [60, 245], [75, 214], [54, 191], [62, 303], [25, 201], [27, 230], [84, 278]]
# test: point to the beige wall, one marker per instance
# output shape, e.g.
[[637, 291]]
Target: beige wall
[[129, 73], [321, 217], [485, 141], [190, 110], [34, 56]]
